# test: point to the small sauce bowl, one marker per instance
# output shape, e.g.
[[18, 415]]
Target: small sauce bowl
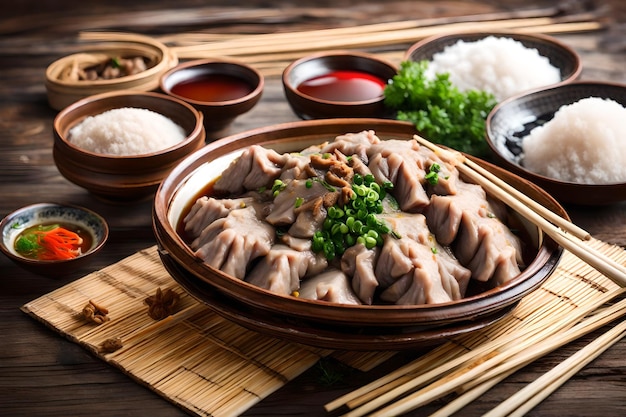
[[93, 228], [337, 84], [221, 89]]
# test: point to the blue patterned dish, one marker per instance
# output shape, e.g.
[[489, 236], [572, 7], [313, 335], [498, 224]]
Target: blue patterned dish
[[45, 213]]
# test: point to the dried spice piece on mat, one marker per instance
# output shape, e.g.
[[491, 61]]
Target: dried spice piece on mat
[[162, 304], [95, 313], [110, 345]]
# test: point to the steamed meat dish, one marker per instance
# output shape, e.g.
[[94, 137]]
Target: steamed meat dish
[[356, 220]]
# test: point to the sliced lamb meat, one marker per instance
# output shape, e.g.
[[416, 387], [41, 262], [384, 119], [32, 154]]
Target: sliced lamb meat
[[207, 209], [332, 286], [353, 144], [232, 242], [284, 208], [256, 167], [281, 269], [309, 218], [414, 266], [359, 263], [480, 240], [490, 252], [400, 163], [423, 284]]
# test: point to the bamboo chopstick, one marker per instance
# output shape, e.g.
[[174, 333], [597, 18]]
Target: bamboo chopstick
[[517, 355], [405, 380], [293, 42], [530, 396], [521, 355], [457, 159], [553, 225]]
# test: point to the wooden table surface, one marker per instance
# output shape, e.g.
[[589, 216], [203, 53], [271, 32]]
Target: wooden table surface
[[42, 374]]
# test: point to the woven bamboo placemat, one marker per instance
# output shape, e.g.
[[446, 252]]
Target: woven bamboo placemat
[[194, 358], [213, 367]]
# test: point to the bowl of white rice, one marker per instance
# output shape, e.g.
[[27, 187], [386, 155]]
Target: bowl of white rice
[[568, 139], [120, 145], [501, 63]]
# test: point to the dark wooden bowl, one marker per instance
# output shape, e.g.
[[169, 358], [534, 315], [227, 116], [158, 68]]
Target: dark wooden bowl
[[322, 63], [124, 178], [218, 115], [316, 322], [510, 121]]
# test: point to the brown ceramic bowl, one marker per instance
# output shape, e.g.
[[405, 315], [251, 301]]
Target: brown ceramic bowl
[[46, 213], [315, 322], [221, 89], [340, 84], [510, 121], [124, 178], [559, 54]]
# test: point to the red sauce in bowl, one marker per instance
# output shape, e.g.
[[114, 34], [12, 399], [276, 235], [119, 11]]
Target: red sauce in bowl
[[212, 88], [344, 86]]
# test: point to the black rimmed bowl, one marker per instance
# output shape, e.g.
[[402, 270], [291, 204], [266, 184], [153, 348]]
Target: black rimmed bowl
[[318, 323], [93, 229], [512, 120]]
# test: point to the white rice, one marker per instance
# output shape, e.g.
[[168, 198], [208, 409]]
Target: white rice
[[585, 143], [499, 65], [126, 131]]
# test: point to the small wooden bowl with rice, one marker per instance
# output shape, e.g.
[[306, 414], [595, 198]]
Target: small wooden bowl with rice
[[120, 145], [568, 139], [501, 63]]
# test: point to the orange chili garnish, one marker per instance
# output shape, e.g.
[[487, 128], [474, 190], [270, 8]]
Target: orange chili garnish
[[58, 243]]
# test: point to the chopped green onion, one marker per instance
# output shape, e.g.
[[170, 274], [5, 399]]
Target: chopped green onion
[[356, 222], [277, 187], [433, 174]]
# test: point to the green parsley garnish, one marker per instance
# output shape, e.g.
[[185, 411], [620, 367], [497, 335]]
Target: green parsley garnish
[[437, 108]]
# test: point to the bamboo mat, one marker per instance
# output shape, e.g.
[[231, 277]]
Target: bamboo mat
[[196, 359], [563, 309], [212, 367]]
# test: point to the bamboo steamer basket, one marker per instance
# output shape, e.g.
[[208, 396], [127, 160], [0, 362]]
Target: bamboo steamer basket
[[61, 92]]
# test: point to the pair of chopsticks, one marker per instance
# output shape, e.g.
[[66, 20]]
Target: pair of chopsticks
[[562, 231], [484, 372]]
